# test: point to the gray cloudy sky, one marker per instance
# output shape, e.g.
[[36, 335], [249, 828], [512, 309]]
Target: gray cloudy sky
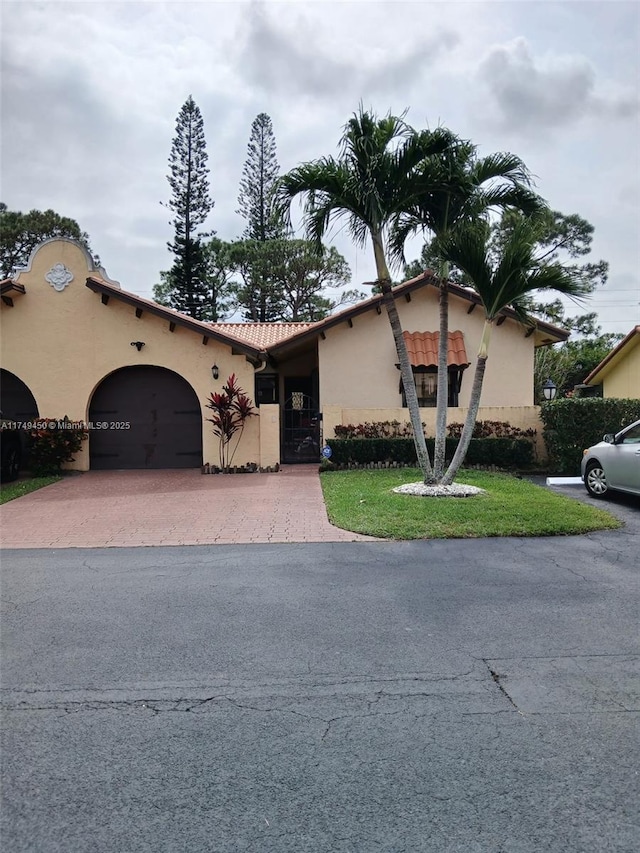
[[91, 91]]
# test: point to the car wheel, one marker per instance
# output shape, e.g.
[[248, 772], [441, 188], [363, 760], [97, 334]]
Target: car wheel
[[595, 480]]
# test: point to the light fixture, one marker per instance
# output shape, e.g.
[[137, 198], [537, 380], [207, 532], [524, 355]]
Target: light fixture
[[215, 372], [137, 344], [549, 389]]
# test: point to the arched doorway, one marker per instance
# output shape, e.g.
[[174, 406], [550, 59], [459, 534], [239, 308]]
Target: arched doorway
[[145, 417], [16, 400]]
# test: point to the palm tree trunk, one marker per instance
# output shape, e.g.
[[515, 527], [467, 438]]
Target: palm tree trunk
[[474, 405], [406, 372], [443, 381]]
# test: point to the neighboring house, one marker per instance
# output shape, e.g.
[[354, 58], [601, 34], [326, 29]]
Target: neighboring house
[[619, 372], [75, 343]]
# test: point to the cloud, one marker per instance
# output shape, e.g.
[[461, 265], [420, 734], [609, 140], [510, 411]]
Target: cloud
[[297, 56], [548, 93]]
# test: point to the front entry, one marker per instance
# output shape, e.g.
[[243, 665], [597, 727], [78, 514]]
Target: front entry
[[301, 422], [149, 417]]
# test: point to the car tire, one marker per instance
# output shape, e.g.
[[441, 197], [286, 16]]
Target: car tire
[[595, 480]]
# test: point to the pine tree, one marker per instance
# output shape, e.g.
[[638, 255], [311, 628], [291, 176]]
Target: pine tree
[[259, 176], [191, 204], [20, 233]]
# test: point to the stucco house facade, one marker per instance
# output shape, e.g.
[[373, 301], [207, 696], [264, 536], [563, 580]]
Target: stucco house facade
[[619, 372], [74, 343]]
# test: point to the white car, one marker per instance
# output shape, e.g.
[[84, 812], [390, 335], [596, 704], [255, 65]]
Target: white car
[[613, 464]]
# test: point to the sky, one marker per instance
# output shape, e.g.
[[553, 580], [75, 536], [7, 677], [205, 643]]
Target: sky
[[91, 91]]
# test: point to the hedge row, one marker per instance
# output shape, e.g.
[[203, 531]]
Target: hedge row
[[502, 452], [571, 425]]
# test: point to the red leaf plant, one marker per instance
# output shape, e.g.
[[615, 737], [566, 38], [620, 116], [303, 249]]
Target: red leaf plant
[[231, 410]]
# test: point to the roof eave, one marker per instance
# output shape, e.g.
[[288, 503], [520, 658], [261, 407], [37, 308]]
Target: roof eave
[[98, 286], [592, 378], [546, 333]]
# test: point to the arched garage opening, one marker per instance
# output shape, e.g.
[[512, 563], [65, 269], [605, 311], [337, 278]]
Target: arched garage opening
[[145, 417], [16, 400]]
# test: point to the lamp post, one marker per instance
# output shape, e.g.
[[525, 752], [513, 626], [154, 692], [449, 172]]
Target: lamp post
[[215, 372], [549, 390]]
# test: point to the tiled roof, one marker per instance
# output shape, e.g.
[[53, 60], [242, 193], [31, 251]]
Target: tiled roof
[[262, 335], [423, 349]]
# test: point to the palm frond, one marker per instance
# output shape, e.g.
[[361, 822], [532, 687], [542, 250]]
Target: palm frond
[[502, 165], [467, 249], [518, 273], [502, 197]]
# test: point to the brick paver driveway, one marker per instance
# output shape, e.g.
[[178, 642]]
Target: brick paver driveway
[[124, 508]]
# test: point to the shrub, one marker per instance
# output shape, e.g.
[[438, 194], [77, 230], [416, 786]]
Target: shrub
[[494, 443], [500, 452], [493, 429], [376, 429], [571, 425], [52, 442]]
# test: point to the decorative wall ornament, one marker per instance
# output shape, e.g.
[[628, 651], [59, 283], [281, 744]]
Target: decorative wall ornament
[[59, 277]]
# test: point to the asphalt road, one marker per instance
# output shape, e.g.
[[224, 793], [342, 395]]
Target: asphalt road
[[478, 696]]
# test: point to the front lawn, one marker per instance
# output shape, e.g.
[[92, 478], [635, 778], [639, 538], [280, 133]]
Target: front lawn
[[10, 491], [362, 501]]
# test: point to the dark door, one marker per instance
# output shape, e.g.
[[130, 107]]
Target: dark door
[[301, 422], [16, 400], [145, 417]]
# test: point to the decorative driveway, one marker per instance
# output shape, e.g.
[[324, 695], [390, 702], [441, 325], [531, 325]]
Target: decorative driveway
[[179, 507]]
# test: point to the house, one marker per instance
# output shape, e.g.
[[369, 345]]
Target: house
[[75, 343], [618, 373]]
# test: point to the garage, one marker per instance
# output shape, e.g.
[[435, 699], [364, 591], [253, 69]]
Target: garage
[[16, 400], [145, 417]]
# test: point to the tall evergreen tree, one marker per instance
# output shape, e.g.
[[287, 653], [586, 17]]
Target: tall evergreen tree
[[255, 200], [191, 204], [259, 176]]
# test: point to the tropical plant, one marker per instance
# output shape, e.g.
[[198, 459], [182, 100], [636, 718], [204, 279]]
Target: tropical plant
[[457, 189], [505, 282], [370, 184], [231, 409]]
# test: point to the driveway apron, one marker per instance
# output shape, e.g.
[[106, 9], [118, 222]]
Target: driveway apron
[[176, 507]]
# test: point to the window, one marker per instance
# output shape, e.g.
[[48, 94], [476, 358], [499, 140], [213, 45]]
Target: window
[[266, 388], [426, 379]]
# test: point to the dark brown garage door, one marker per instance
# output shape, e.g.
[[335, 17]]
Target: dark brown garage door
[[164, 416], [16, 400]]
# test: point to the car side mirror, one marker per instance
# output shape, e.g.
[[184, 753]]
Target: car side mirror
[[609, 438]]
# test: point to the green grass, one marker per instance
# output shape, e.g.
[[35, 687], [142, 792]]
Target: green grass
[[362, 501], [11, 491]]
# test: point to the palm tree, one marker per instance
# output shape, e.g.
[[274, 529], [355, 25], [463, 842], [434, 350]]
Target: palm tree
[[371, 183], [456, 189], [504, 283]]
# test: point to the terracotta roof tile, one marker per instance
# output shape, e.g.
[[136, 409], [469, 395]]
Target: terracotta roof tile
[[423, 349], [262, 335]]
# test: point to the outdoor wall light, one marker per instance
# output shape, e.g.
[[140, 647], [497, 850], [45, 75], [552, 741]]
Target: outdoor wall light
[[215, 372], [137, 344], [549, 389]]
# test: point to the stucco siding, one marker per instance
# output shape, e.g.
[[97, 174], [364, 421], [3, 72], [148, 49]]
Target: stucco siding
[[357, 364], [623, 380], [63, 344]]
